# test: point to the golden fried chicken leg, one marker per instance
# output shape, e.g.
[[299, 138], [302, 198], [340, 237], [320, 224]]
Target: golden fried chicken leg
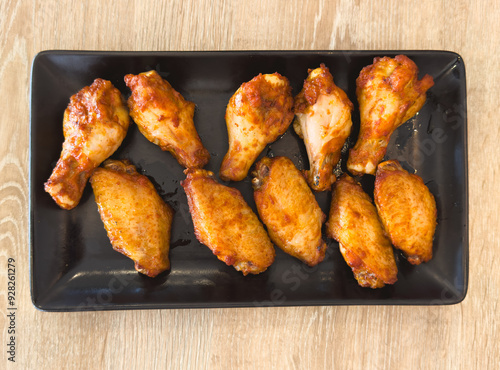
[[289, 209], [94, 125], [165, 118], [225, 223], [135, 217], [354, 223], [323, 113], [389, 94], [407, 210], [257, 114]]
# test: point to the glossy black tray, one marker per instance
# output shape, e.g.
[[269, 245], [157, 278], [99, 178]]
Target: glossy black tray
[[73, 266]]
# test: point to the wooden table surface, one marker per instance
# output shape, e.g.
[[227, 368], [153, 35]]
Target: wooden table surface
[[466, 335]]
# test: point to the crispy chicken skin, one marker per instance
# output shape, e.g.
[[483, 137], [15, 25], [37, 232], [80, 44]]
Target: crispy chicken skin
[[407, 210], [354, 223], [257, 114], [165, 118], [323, 113], [289, 209], [225, 223], [94, 125], [389, 94], [135, 217]]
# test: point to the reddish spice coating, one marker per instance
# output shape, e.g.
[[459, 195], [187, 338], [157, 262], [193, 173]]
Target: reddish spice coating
[[321, 84], [271, 104], [160, 94]]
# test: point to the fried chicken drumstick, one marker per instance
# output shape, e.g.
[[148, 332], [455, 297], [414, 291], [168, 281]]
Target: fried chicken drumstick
[[257, 114], [165, 118], [389, 93], [323, 113], [94, 125]]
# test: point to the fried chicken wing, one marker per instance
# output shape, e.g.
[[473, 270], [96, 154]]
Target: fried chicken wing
[[257, 114], [225, 223], [323, 113], [354, 223], [389, 94], [94, 125], [165, 118], [135, 217], [407, 210], [289, 209]]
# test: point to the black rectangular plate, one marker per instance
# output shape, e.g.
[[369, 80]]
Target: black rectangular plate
[[73, 266]]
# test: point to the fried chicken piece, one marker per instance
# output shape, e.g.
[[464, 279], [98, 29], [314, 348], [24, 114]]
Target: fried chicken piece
[[135, 217], [407, 210], [323, 113], [257, 114], [94, 125], [389, 94], [225, 223], [354, 223], [289, 209], [165, 118]]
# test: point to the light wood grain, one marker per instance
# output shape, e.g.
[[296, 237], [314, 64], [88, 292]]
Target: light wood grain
[[464, 336]]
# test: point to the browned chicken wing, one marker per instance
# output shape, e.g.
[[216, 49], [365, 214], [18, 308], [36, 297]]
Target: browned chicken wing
[[165, 118], [135, 217], [323, 113], [257, 114], [225, 223], [354, 223], [94, 125], [289, 209], [407, 210], [389, 94]]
